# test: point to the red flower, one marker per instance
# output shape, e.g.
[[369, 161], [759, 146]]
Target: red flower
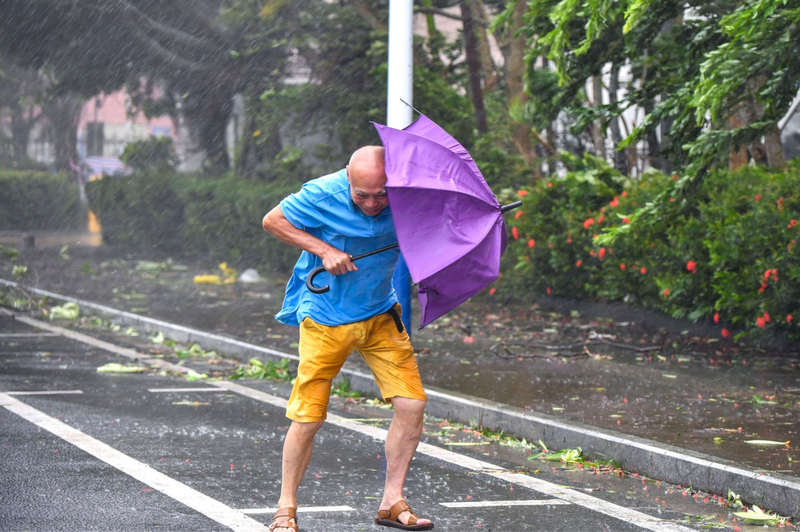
[[549, 291], [691, 266], [515, 233], [614, 202], [531, 243], [624, 194], [578, 264], [569, 240], [549, 184], [726, 333], [761, 322], [757, 197], [600, 219], [665, 293], [588, 223], [518, 215], [643, 270], [622, 266], [675, 177], [792, 223], [492, 291], [716, 317], [626, 220], [522, 193], [601, 253], [767, 317], [789, 318]]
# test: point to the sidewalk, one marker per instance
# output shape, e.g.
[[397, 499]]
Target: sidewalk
[[697, 393]]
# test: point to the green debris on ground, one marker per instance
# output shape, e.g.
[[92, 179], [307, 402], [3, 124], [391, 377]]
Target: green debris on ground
[[67, 311], [256, 369], [115, 367]]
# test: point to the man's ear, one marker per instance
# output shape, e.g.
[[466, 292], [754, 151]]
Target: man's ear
[[347, 172]]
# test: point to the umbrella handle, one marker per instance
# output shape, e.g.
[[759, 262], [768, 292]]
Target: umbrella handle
[[316, 271], [510, 206]]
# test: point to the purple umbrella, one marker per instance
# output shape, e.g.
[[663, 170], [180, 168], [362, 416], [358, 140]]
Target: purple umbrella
[[450, 227]]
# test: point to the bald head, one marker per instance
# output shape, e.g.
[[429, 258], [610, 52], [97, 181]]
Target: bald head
[[367, 176]]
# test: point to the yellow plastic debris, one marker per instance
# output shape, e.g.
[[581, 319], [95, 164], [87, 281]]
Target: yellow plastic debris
[[207, 279]]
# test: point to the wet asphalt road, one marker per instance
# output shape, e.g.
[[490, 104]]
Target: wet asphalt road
[[82, 450]]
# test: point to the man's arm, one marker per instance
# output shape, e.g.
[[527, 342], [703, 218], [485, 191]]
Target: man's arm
[[334, 260]]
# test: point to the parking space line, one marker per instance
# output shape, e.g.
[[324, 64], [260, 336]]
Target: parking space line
[[584, 500], [179, 390], [182, 493], [50, 392], [301, 509], [488, 504]]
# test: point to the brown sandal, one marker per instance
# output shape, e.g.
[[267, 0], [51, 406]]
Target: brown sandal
[[283, 517], [390, 517]]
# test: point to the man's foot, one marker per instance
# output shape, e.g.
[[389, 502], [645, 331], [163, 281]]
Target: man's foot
[[284, 520], [401, 516]]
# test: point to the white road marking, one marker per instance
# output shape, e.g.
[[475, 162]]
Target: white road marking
[[27, 335], [566, 494], [182, 493], [301, 509], [178, 390], [488, 504], [50, 392]]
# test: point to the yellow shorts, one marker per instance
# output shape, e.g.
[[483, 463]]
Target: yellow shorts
[[323, 350]]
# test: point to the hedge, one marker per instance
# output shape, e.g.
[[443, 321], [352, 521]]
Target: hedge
[[729, 254], [32, 200], [190, 215]]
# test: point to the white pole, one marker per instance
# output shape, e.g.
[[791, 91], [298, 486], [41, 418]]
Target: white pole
[[401, 59], [398, 114]]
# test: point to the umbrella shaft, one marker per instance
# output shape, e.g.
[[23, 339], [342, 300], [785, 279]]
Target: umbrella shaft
[[320, 269], [373, 252]]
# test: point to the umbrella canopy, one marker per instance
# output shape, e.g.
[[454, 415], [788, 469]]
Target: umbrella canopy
[[449, 225]]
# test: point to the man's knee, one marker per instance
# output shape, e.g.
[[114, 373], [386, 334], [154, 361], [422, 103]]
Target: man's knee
[[305, 430], [406, 406]]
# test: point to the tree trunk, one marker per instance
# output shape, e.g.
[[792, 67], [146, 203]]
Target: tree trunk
[[208, 110], [473, 62], [514, 52], [20, 133], [653, 147], [738, 155], [488, 67], [597, 130], [64, 114], [620, 161], [774, 148], [435, 40]]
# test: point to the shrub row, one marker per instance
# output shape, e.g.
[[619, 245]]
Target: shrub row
[[189, 215], [32, 200], [730, 254]]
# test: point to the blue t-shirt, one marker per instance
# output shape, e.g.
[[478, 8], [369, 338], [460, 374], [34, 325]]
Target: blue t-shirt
[[324, 209]]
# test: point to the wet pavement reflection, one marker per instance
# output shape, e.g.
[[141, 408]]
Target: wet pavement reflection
[[698, 392]]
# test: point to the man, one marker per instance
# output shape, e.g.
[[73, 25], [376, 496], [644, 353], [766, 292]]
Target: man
[[330, 219]]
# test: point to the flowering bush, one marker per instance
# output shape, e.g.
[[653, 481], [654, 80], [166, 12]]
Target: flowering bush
[[730, 253]]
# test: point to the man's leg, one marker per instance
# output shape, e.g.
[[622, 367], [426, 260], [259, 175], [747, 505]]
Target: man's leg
[[401, 443], [297, 449]]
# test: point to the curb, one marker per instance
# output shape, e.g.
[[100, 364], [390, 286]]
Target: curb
[[777, 492]]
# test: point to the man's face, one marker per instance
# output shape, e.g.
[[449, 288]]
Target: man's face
[[368, 192]]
